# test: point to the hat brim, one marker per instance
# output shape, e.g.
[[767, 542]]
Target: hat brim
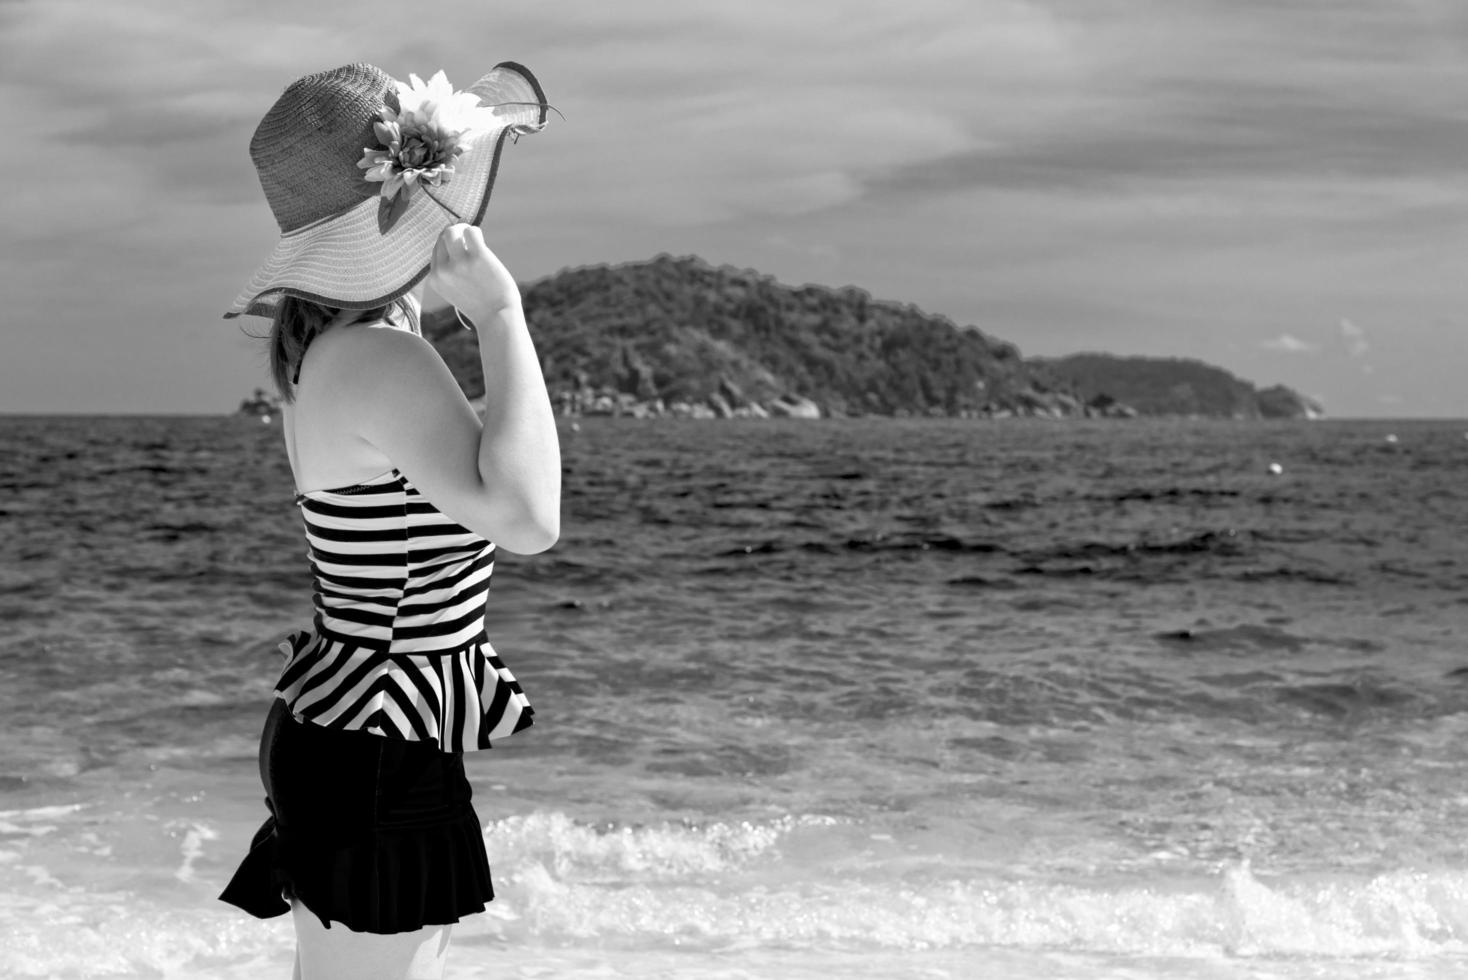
[[346, 262]]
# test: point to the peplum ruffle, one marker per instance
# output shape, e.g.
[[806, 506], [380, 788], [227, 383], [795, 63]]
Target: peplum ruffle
[[461, 699]]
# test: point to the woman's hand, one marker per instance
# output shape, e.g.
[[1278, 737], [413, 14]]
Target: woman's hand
[[468, 275]]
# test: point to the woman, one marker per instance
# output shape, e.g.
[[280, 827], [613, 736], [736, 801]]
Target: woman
[[373, 844]]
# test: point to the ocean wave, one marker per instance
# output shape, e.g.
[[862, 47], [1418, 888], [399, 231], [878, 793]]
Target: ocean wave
[[729, 887], [791, 883], [1151, 557], [669, 850], [75, 933]]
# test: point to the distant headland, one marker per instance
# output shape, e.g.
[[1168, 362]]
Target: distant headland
[[675, 336]]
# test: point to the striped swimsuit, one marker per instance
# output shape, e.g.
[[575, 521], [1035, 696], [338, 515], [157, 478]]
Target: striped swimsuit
[[397, 647]]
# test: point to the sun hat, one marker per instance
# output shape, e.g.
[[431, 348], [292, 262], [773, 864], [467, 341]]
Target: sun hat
[[363, 173]]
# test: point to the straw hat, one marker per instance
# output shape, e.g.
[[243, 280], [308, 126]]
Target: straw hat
[[358, 212]]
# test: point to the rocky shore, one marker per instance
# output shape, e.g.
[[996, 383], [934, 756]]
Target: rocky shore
[[729, 403]]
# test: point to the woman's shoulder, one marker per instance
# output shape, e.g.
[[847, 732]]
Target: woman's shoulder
[[370, 370], [368, 339], [366, 352]]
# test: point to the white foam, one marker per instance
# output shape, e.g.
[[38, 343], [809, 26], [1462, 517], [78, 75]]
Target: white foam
[[658, 851], [1389, 917], [42, 812], [40, 875], [114, 934], [192, 848], [28, 823], [728, 894], [728, 885]]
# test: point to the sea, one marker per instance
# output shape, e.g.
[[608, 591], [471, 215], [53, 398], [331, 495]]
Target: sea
[[852, 698]]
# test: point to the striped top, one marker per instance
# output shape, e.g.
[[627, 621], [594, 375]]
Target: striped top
[[397, 647]]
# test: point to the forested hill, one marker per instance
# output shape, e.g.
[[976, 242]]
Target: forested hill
[[679, 336], [1177, 386]]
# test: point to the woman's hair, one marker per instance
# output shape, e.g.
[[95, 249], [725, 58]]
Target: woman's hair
[[298, 321]]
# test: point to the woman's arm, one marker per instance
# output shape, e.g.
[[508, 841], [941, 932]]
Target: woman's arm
[[500, 478], [519, 452]]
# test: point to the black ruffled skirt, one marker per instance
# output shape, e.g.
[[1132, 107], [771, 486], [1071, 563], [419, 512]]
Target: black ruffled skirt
[[375, 833]]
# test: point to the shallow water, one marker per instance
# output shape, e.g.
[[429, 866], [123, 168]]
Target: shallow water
[[865, 698]]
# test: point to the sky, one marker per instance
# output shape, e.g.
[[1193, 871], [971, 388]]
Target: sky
[[1278, 187]]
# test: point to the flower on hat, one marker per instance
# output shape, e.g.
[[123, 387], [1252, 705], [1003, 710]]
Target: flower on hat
[[421, 140]]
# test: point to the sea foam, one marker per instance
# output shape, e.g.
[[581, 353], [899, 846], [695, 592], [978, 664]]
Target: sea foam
[[732, 885], [726, 889]]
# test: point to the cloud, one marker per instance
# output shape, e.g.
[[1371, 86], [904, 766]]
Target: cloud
[[1354, 339], [1289, 344], [1227, 96], [1145, 175]]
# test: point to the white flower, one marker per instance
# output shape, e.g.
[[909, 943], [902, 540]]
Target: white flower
[[421, 140]]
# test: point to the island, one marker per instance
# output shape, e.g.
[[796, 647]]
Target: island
[[678, 337], [261, 404]]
